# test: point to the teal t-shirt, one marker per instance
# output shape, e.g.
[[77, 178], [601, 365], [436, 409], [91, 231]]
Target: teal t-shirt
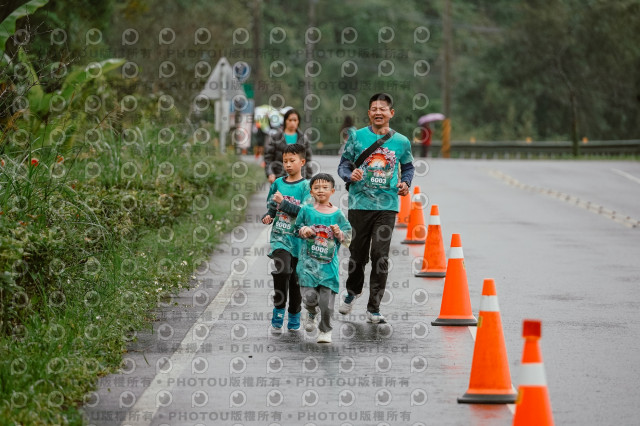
[[318, 260], [291, 139], [377, 190], [282, 232]]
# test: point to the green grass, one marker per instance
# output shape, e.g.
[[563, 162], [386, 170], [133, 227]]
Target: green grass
[[87, 256]]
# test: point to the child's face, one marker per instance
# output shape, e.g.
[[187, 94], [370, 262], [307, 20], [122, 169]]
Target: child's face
[[292, 163], [322, 190]]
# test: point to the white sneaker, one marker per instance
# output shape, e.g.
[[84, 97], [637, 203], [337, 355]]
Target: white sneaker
[[375, 317], [310, 321], [347, 303], [324, 337]]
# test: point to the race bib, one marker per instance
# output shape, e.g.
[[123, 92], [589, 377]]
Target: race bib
[[282, 224], [322, 247], [379, 168]]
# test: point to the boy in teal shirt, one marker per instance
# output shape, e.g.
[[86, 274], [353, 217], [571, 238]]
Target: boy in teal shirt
[[324, 228], [286, 195]]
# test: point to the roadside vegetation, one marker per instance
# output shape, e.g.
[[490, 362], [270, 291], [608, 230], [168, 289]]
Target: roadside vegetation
[[108, 204]]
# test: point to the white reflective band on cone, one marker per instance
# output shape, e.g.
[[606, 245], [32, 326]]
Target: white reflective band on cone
[[456, 253], [532, 374], [489, 304], [434, 220]]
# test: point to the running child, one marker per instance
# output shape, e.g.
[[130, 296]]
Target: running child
[[324, 228], [286, 195]]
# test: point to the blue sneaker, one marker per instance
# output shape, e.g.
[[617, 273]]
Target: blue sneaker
[[294, 321], [278, 318]]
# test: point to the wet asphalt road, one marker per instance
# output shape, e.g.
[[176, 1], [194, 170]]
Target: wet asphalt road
[[212, 360]]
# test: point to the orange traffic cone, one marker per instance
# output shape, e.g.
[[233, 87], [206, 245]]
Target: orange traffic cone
[[405, 209], [434, 262], [490, 381], [455, 308], [532, 406], [416, 231]]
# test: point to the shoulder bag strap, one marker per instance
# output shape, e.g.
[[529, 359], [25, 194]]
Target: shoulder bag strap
[[377, 144]]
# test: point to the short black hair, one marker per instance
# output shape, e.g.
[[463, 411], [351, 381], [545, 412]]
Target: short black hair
[[381, 97], [323, 176], [294, 148]]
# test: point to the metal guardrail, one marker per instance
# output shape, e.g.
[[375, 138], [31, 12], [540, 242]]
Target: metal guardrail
[[518, 149]]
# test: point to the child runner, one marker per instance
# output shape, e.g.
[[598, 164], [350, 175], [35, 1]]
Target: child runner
[[283, 204], [324, 228]]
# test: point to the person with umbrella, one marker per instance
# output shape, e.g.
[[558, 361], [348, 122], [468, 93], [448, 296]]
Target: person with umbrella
[[266, 120], [425, 131]]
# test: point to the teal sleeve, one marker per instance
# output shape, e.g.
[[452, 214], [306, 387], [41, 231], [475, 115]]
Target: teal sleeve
[[350, 147], [407, 156], [272, 190]]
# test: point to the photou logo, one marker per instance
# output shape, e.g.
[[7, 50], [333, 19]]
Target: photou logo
[[237, 365], [127, 366], [199, 398], [274, 398], [130, 36], [383, 364], [166, 36], [274, 364], [419, 297], [418, 364], [346, 398], [383, 397], [164, 398], [164, 365], [419, 330], [346, 364], [199, 365], [127, 399], [201, 36], [418, 397], [310, 398], [277, 35], [310, 364], [239, 332], [237, 399]]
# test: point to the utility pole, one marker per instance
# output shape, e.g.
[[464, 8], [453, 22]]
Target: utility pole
[[309, 57], [446, 79], [257, 46]]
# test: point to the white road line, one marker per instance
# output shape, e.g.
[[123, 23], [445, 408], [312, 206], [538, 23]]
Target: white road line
[[627, 175], [587, 205], [181, 362], [474, 330]]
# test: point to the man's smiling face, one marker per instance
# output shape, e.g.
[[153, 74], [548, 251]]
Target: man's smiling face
[[380, 113]]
